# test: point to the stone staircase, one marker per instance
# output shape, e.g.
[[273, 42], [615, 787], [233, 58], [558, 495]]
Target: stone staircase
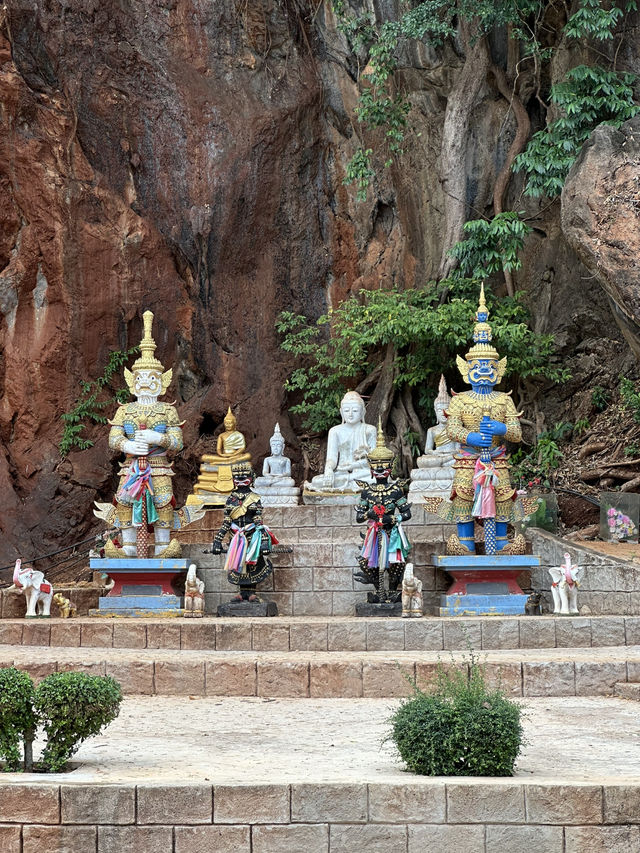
[[315, 661]]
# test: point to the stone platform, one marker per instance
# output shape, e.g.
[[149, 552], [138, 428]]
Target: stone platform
[[167, 777], [321, 634], [309, 674]]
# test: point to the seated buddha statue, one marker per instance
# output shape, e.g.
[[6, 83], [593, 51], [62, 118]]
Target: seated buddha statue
[[346, 463], [276, 486], [215, 482], [434, 475]]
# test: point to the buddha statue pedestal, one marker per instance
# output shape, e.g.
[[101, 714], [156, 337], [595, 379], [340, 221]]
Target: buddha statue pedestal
[[346, 464], [277, 487], [215, 481]]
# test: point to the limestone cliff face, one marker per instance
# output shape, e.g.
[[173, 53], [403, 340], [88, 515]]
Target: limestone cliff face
[[187, 157], [600, 209]]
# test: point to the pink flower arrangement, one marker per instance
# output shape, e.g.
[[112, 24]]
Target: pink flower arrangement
[[620, 525]]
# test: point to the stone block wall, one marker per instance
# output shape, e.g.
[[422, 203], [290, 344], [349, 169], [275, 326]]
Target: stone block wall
[[609, 586], [410, 817], [13, 604], [316, 579]]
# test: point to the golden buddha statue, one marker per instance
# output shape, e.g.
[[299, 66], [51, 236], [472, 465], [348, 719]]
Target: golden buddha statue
[[215, 482]]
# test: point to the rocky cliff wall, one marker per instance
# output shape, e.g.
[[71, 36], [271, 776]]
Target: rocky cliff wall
[[187, 156]]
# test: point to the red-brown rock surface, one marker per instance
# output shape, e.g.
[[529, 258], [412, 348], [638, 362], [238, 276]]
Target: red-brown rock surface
[[600, 210]]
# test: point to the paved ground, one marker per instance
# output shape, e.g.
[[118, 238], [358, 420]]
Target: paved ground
[[262, 741]]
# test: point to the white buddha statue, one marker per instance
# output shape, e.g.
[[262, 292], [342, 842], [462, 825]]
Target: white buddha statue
[[277, 487], [434, 475], [348, 445]]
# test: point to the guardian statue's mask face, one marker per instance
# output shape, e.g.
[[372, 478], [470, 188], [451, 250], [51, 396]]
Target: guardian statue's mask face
[[483, 371], [381, 471], [147, 383]]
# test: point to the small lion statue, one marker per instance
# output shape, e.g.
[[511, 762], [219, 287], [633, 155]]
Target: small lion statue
[[411, 593], [67, 609], [193, 594]]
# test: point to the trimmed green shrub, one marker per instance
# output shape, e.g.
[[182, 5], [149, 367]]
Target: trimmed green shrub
[[463, 728], [73, 706], [18, 720]]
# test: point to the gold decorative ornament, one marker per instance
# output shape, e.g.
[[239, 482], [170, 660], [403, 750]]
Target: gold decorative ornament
[[147, 359]]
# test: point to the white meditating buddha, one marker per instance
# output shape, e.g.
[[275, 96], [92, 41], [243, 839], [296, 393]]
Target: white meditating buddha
[[276, 486], [434, 475], [348, 445]]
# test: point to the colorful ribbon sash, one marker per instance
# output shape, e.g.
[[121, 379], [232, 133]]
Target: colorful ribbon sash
[[243, 550], [485, 480], [138, 487], [381, 548]]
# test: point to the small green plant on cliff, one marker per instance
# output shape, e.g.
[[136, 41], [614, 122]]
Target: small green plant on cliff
[[600, 398], [587, 97], [491, 245], [18, 720], [89, 407], [70, 706], [630, 397], [462, 728]]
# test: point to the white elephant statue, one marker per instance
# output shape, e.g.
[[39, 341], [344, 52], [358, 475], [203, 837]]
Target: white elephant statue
[[193, 594], [565, 582], [37, 590], [411, 594]]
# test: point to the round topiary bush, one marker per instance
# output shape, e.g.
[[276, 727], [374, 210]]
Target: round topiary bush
[[462, 728], [18, 720], [72, 706]]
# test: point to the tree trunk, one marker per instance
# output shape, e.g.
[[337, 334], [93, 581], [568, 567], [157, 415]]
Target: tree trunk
[[28, 751], [380, 401], [455, 134]]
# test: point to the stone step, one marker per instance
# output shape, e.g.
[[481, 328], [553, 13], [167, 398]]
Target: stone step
[[627, 690], [248, 776], [333, 634], [524, 672]]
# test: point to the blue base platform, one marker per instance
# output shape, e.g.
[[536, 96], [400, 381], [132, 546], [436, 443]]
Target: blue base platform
[[142, 587], [482, 605], [484, 585]]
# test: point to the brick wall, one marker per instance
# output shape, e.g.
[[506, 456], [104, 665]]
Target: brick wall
[[316, 579], [609, 586], [411, 817]]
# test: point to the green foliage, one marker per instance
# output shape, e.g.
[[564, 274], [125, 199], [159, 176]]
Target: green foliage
[[587, 97], [600, 398], [424, 333], [18, 719], [581, 426], [491, 245], [630, 397], [464, 728], [592, 21], [89, 408], [73, 706], [426, 328], [360, 172], [632, 449]]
